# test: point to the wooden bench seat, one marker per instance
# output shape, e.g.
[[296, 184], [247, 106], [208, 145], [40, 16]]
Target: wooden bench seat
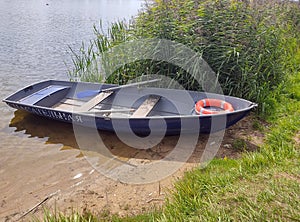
[[146, 107], [93, 102]]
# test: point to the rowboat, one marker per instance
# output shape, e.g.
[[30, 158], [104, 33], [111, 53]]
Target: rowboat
[[131, 108]]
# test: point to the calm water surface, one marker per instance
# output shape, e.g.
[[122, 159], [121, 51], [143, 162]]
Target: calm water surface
[[34, 40]]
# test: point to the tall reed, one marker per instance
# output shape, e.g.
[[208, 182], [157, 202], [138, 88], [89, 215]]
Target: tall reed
[[249, 46]]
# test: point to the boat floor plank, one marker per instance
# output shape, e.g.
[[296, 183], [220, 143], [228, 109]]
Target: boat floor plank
[[64, 107], [74, 102], [69, 104], [95, 111]]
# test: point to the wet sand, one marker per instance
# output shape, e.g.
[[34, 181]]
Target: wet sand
[[44, 167]]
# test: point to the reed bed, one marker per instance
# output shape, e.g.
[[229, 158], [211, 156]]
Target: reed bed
[[249, 45]]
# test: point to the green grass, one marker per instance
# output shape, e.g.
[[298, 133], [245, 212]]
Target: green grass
[[261, 186], [104, 215]]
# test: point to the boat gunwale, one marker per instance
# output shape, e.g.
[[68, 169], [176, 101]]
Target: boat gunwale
[[138, 118], [251, 104]]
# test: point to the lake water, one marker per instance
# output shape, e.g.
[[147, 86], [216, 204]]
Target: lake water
[[34, 40]]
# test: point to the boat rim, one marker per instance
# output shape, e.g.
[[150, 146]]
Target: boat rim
[[251, 105], [91, 114]]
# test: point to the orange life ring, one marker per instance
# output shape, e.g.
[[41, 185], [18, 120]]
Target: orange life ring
[[201, 104]]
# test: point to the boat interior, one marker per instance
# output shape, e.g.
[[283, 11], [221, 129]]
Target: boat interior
[[135, 102]]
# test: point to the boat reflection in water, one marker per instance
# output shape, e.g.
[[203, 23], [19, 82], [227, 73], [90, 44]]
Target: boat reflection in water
[[36, 126], [107, 143]]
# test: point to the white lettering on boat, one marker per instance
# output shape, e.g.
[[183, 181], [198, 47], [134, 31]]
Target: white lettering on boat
[[50, 113], [78, 119], [70, 118]]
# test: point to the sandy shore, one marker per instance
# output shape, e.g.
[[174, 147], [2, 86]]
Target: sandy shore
[[72, 183]]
